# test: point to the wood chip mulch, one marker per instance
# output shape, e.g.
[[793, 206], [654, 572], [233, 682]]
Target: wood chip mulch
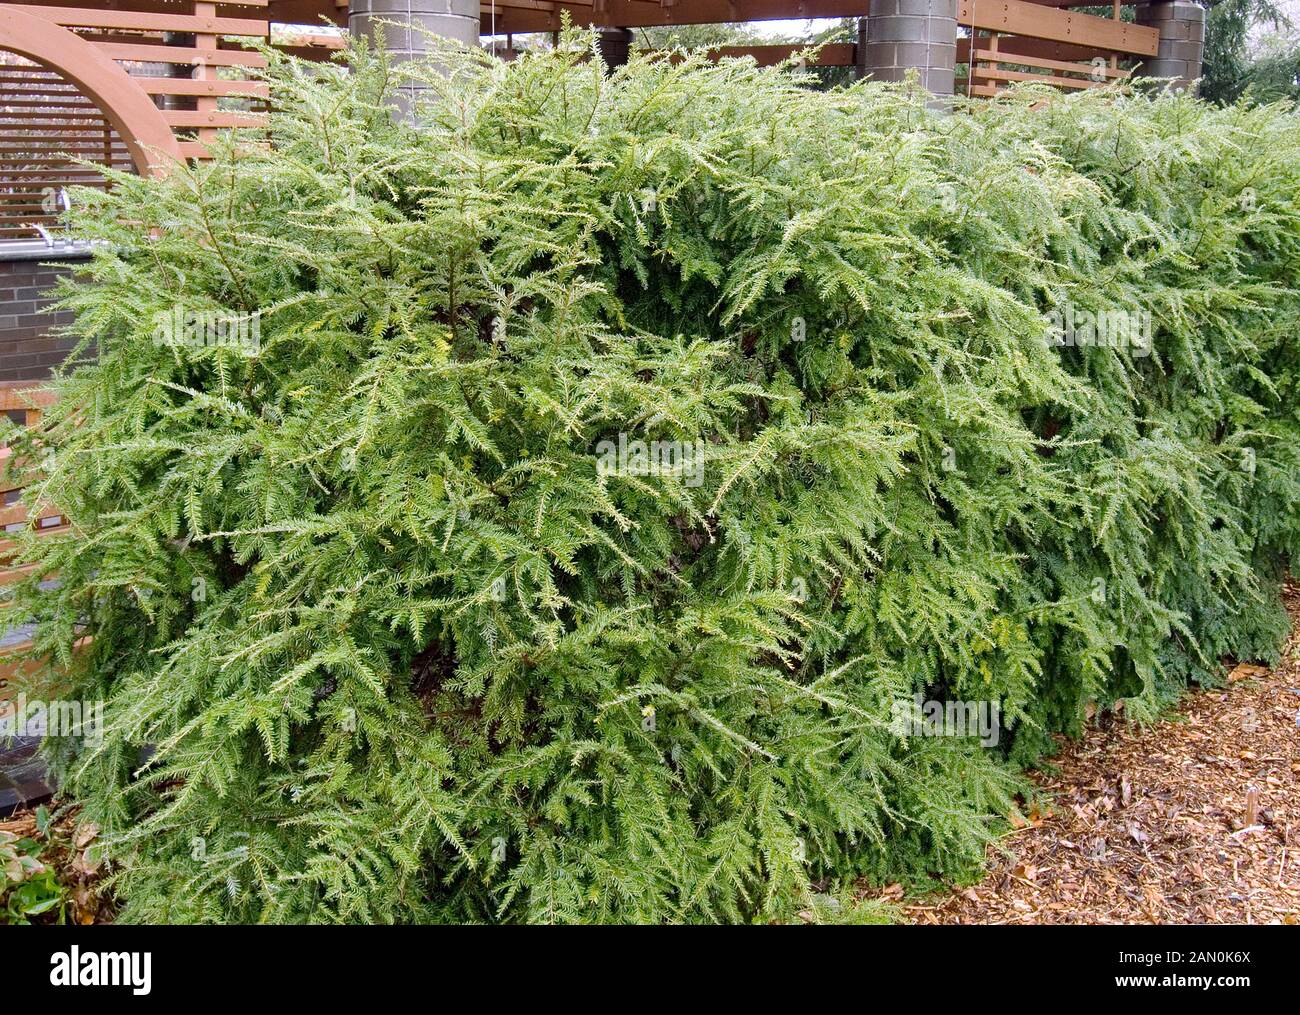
[[1193, 820]]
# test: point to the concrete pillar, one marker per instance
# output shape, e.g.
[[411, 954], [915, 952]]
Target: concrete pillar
[[1182, 40], [614, 45], [452, 19], [918, 35]]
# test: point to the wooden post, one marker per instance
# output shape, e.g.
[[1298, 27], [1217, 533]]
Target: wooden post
[[205, 104]]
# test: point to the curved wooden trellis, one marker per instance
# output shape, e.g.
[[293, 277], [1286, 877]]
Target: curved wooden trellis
[[139, 123]]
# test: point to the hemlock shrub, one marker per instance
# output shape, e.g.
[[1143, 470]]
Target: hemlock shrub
[[414, 610]]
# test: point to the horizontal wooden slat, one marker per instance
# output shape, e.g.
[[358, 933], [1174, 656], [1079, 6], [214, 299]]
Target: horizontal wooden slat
[[1086, 3], [9, 547], [71, 142], [11, 190], [36, 89], [85, 118], [41, 110], [22, 137], [308, 40], [26, 211], [1036, 61], [61, 101], [37, 132], [216, 118], [486, 6], [51, 164], [18, 129], [24, 395], [19, 513], [86, 17], [192, 86], [61, 119], [13, 670], [13, 575], [982, 91], [50, 143], [24, 99], [233, 8], [1057, 80], [24, 189], [65, 177], [51, 85], [58, 135], [181, 55]]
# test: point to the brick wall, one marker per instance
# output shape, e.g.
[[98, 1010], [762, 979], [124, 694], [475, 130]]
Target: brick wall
[[27, 349]]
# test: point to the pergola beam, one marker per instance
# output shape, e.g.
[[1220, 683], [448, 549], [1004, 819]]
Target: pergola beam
[[1016, 17], [636, 14], [100, 17], [225, 8], [309, 12]]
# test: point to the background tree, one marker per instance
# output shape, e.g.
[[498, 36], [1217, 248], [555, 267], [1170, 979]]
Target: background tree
[[1226, 65], [1274, 74]]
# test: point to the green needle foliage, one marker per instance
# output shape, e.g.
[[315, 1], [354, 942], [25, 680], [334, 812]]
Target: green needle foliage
[[401, 647]]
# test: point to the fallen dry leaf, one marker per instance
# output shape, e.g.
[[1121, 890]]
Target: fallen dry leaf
[[86, 834], [1246, 671]]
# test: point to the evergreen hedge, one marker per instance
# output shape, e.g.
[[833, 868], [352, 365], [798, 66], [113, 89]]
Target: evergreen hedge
[[407, 642]]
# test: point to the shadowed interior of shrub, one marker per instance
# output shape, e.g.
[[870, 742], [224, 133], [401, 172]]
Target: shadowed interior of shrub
[[539, 511]]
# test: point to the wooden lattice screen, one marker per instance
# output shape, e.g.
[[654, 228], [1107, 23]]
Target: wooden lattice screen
[[185, 55], [45, 125]]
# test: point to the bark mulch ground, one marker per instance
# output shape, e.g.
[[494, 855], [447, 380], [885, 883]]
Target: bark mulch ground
[[1193, 820]]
